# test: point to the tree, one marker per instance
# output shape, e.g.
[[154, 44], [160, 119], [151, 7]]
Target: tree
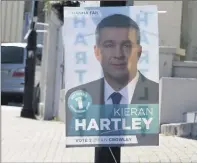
[[59, 5]]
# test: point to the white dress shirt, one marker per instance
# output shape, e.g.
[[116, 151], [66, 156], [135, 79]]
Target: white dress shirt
[[126, 92]]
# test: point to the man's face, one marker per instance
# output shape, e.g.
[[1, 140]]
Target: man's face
[[118, 52]]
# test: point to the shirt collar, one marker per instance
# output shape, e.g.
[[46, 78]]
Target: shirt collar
[[126, 92]]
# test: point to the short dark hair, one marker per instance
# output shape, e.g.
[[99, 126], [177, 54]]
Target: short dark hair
[[119, 21]]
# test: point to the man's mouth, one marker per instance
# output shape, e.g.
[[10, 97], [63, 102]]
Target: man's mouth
[[120, 65]]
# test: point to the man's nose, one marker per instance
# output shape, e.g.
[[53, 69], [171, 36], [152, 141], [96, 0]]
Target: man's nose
[[119, 51]]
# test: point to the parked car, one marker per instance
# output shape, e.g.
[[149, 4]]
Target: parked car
[[13, 61]]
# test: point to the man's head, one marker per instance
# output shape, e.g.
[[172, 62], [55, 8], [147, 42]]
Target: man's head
[[118, 46]]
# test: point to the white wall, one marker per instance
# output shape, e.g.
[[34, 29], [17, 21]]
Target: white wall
[[12, 21], [177, 96], [50, 73]]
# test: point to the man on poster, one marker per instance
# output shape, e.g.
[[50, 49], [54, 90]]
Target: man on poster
[[118, 50]]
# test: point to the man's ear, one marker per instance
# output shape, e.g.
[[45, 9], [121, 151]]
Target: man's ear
[[96, 52], [139, 51]]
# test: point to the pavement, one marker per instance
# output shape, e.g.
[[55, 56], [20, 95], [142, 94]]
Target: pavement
[[26, 140]]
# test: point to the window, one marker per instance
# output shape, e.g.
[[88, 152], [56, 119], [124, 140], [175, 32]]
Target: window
[[12, 55]]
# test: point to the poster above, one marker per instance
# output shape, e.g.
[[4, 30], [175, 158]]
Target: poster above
[[111, 76]]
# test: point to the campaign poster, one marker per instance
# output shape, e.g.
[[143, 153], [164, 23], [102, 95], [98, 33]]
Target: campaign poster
[[111, 76]]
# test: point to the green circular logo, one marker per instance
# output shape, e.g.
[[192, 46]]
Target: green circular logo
[[79, 101]]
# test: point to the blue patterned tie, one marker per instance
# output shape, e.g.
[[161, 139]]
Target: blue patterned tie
[[116, 97]]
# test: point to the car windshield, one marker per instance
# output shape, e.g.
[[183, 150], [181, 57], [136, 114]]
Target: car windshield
[[12, 55]]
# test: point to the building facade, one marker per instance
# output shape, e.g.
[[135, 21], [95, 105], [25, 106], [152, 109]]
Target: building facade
[[12, 13]]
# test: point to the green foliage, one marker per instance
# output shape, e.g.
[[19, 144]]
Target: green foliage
[[59, 5], [48, 4]]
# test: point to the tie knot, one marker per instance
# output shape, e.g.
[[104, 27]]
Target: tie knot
[[116, 97]]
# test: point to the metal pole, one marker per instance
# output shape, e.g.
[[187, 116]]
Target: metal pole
[[184, 40], [27, 110], [130, 3], [32, 8], [110, 154]]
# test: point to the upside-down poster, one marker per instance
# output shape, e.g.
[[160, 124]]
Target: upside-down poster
[[111, 76]]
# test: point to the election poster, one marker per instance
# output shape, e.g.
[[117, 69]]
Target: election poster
[[111, 76]]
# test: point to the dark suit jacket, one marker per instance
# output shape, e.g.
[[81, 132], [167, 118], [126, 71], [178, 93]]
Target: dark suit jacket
[[146, 91]]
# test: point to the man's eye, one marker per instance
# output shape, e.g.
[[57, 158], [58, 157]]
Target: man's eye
[[127, 45], [108, 45]]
